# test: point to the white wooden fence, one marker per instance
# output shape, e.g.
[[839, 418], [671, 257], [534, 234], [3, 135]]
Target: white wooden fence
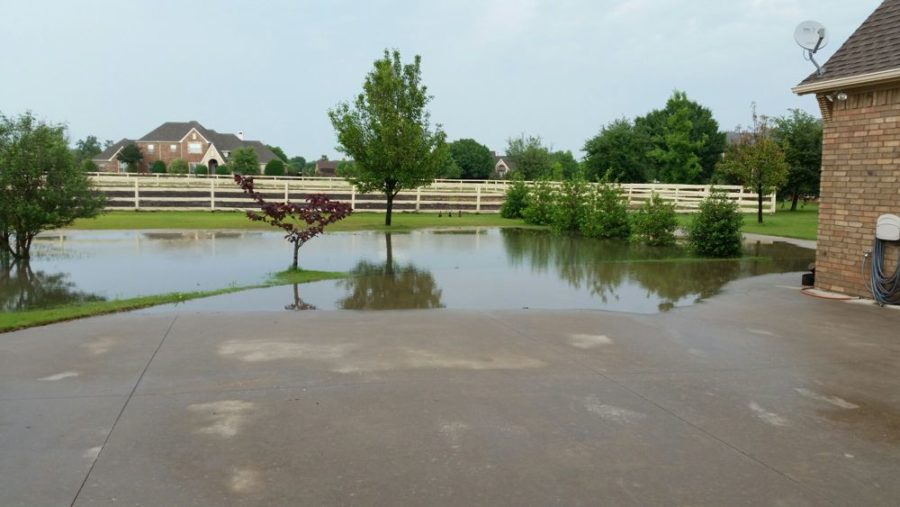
[[178, 192]]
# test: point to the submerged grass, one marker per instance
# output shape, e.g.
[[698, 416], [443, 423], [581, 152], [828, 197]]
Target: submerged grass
[[11, 321]]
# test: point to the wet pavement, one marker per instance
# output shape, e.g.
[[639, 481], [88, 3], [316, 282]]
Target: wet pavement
[[758, 396]]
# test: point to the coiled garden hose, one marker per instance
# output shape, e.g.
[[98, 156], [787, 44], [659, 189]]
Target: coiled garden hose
[[885, 288]]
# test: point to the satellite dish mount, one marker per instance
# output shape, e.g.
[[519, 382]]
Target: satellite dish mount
[[811, 36]]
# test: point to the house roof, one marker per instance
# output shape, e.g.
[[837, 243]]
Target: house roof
[[506, 160], [327, 164], [176, 130], [110, 152], [871, 54]]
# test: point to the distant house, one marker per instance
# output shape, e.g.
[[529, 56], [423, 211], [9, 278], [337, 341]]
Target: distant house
[[189, 141], [327, 167], [503, 166]]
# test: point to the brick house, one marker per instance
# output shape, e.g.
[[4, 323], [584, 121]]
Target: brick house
[[859, 97], [189, 141], [327, 167], [503, 165]]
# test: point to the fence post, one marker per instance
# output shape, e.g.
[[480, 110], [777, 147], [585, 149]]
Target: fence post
[[212, 195], [137, 195], [286, 192], [773, 204], [418, 197], [352, 198], [741, 199], [478, 199], [676, 199]]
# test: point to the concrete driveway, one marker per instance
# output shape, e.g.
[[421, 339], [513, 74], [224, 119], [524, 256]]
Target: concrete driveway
[[759, 396]]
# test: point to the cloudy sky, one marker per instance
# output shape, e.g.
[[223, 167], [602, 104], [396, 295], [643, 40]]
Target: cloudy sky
[[560, 69]]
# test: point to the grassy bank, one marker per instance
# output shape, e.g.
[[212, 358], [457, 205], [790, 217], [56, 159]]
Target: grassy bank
[[237, 220], [800, 224], [10, 321]]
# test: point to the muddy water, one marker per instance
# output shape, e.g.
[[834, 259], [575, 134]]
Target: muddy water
[[473, 268]]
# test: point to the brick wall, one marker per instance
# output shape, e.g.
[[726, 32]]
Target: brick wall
[[860, 181]]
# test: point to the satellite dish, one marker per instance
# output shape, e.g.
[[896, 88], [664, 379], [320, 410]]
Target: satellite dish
[[811, 36]]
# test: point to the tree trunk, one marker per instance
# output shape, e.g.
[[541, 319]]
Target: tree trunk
[[389, 264], [296, 252], [390, 207], [794, 199], [759, 200]]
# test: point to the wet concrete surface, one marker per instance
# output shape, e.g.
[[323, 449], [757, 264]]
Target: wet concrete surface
[[757, 396]]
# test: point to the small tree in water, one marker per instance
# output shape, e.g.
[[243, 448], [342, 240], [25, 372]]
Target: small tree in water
[[301, 222]]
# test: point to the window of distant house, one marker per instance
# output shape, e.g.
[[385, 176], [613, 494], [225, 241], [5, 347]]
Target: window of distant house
[[173, 147], [149, 148], [193, 147]]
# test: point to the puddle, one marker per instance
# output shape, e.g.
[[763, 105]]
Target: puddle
[[480, 268]]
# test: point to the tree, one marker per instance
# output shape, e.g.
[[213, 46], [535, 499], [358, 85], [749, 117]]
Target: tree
[[708, 141], [800, 137], [178, 166], [675, 153], [158, 167], [387, 131], [131, 156], [296, 166], [756, 161], [244, 161], [532, 160], [86, 149], [88, 166], [617, 153], [40, 186], [301, 222], [278, 152], [274, 167], [564, 163], [475, 160]]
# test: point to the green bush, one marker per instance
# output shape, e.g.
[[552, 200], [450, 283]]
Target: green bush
[[655, 223], [88, 166], [606, 213], [178, 166], [539, 206], [274, 167], [201, 170], [570, 206], [158, 167], [223, 169], [516, 200], [716, 229]]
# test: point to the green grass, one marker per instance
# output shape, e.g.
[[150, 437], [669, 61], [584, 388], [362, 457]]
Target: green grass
[[10, 321], [359, 221], [800, 224]]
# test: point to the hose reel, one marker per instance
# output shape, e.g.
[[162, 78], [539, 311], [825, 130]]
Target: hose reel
[[884, 286]]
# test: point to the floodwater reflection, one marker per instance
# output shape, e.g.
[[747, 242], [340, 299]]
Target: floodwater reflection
[[23, 289]]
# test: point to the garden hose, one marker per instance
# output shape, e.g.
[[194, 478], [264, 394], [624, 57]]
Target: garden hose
[[885, 288]]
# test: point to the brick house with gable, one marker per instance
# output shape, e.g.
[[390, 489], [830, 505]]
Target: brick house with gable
[[189, 141], [859, 97]]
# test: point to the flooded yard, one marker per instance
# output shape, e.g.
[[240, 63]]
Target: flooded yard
[[466, 269]]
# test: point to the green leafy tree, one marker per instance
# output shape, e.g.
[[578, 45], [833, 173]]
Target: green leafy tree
[[618, 153], [86, 149], [566, 165], [606, 213], [799, 135], [532, 160], [131, 156], [40, 186], [450, 170], [296, 166], [274, 167], [88, 166], [539, 205], [516, 200], [675, 153], [178, 166], [715, 230], [387, 131], [278, 152], [244, 161], [475, 160], [756, 162], [655, 222], [570, 206], [158, 167]]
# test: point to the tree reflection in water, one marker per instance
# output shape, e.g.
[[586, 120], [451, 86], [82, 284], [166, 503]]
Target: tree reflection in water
[[23, 289], [667, 273], [299, 304], [388, 286]]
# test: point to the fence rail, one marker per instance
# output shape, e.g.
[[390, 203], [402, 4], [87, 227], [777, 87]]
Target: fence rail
[[175, 192]]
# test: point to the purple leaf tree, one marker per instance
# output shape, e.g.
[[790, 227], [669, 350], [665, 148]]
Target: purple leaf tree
[[301, 222]]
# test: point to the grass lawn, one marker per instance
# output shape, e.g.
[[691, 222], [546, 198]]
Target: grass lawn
[[799, 224], [10, 321], [237, 220]]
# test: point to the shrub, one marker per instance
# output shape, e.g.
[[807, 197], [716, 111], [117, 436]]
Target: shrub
[[178, 166], [606, 213], [158, 167], [223, 169], [274, 167], [88, 166], [655, 223], [716, 229], [516, 200], [201, 170], [570, 206], [539, 207]]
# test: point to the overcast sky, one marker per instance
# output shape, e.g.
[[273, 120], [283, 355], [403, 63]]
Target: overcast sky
[[560, 69]]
